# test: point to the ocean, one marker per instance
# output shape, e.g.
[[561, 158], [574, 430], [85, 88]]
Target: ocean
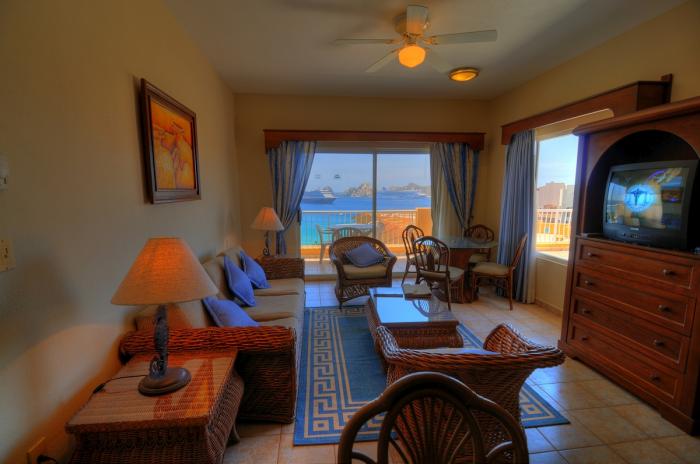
[[345, 210]]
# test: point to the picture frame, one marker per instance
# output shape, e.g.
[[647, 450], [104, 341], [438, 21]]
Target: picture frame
[[171, 158]]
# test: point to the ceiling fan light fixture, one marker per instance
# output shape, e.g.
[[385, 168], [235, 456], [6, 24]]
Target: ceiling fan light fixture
[[411, 55], [463, 74]]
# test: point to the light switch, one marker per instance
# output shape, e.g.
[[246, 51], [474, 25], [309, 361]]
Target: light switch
[[4, 172], [7, 257]]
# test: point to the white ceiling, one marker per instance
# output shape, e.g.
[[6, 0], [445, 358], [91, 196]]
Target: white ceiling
[[286, 46]]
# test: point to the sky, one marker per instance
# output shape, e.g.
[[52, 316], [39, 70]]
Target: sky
[[355, 169], [557, 160]]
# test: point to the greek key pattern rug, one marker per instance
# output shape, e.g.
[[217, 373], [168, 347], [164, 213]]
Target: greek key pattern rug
[[340, 372]]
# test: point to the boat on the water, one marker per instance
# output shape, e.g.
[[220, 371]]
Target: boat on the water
[[323, 195]]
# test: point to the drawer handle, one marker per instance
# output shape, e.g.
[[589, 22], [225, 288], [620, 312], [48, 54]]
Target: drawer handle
[[584, 338], [664, 308], [591, 255], [659, 343], [654, 377], [588, 283], [667, 272], [586, 311]]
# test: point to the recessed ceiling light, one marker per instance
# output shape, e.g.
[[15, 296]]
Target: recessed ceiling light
[[463, 74]]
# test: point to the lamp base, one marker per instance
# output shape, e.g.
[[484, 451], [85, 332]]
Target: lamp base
[[173, 379]]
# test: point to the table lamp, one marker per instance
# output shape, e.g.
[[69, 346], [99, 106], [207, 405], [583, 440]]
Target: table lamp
[[165, 272], [267, 220]]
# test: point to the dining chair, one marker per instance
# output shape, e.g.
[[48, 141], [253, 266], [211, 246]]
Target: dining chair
[[409, 235], [434, 418], [483, 234], [325, 237], [347, 232], [433, 267], [500, 273]]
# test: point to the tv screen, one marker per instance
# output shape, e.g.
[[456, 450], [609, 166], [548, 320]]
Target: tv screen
[[649, 198]]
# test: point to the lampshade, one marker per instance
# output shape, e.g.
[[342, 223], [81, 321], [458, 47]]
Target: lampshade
[[166, 271], [411, 55], [267, 219]]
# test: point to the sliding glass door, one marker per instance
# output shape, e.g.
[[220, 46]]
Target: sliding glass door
[[374, 191]]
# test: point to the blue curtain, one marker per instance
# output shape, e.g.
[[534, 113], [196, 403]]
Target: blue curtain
[[459, 166], [517, 209], [290, 166]]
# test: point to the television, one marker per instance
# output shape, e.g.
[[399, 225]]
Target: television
[[649, 203]]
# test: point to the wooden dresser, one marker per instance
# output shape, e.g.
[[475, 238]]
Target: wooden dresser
[[630, 310]]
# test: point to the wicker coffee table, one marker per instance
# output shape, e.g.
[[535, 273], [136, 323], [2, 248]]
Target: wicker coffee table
[[191, 425], [419, 323]]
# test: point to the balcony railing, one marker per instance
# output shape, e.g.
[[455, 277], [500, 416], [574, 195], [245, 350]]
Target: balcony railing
[[553, 228]]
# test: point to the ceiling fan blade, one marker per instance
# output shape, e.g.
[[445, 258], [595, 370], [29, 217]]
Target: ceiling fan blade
[[464, 37], [366, 41], [438, 62], [416, 19], [383, 62]]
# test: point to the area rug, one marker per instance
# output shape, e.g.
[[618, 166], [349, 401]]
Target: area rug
[[340, 372]]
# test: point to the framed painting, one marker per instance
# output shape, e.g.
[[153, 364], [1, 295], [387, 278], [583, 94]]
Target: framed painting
[[169, 146]]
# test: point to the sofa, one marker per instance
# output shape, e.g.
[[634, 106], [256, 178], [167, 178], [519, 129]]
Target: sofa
[[268, 356]]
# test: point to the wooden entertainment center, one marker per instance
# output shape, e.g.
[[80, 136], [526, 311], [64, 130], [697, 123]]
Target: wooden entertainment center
[[631, 311]]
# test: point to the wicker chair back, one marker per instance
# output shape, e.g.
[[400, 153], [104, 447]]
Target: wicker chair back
[[480, 232]]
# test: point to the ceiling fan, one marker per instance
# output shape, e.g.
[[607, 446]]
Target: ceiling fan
[[415, 45]]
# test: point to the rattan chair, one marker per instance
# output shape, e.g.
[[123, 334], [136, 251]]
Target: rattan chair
[[499, 274], [410, 234], [434, 418], [498, 377], [353, 281], [433, 267], [483, 234]]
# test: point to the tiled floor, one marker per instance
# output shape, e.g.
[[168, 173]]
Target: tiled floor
[[608, 425]]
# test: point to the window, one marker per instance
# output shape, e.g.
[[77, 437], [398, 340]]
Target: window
[[376, 190], [554, 196]]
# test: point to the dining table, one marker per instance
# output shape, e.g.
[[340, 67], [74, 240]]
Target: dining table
[[461, 249], [365, 229]]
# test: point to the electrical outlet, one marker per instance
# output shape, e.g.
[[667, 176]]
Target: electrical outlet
[[7, 258], [36, 450]]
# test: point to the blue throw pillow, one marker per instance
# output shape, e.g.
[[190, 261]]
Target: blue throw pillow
[[254, 271], [238, 282], [365, 255], [227, 313]]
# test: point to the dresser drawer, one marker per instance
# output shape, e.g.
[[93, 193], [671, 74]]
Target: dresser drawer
[[665, 346], [670, 271], [664, 308], [662, 383]]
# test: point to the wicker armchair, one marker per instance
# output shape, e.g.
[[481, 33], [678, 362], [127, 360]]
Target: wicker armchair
[[353, 281], [498, 377], [433, 265], [431, 417]]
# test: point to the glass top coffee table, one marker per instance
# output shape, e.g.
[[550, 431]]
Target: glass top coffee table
[[414, 323]]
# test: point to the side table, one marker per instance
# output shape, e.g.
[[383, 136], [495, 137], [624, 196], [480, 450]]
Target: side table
[[191, 425]]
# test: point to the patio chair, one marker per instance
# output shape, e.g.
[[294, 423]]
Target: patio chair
[[433, 267], [499, 274], [481, 233], [409, 235], [347, 232], [325, 237], [431, 417], [497, 372], [353, 281]]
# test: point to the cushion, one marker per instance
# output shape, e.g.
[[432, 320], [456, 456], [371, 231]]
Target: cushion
[[293, 286], [254, 271], [370, 272], [227, 313], [239, 283], [455, 273], [460, 351], [493, 269], [364, 255], [215, 270], [277, 307], [478, 258]]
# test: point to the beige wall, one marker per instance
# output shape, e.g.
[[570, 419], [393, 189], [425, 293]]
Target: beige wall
[[257, 112], [666, 44], [76, 208]]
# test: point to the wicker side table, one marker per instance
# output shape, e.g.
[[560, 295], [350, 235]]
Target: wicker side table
[[191, 425]]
